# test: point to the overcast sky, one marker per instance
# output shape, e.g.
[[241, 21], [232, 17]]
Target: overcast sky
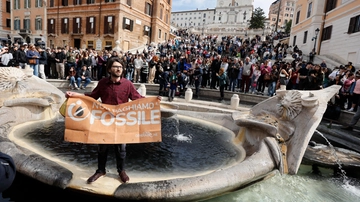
[[184, 5]]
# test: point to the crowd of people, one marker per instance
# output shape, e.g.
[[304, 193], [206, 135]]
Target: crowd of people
[[230, 63]]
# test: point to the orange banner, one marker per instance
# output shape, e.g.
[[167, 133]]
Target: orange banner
[[90, 121]]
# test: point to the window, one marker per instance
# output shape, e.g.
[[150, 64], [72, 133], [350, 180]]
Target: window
[[330, 5], [161, 13], [90, 44], [165, 36], [26, 24], [38, 23], [109, 22], [297, 17], [64, 2], [51, 3], [77, 2], [128, 24], [167, 18], [108, 44], [38, 3], [128, 2], [27, 3], [169, 2], [305, 37], [77, 25], [90, 25], [8, 6], [148, 8], [309, 10], [51, 26], [219, 18], [160, 33], [326, 35], [8, 23], [294, 41], [147, 30], [17, 24], [65, 26], [354, 25], [16, 4], [204, 15], [90, 1], [107, 1]]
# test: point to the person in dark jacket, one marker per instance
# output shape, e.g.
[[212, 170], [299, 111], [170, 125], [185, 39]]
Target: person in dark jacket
[[215, 67], [83, 75], [42, 62], [20, 56], [60, 59]]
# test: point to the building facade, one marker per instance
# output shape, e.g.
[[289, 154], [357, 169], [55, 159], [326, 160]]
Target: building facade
[[228, 17], [281, 12], [338, 22], [97, 24], [5, 19], [28, 21]]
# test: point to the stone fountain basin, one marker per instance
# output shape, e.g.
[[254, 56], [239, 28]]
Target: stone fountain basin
[[256, 164]]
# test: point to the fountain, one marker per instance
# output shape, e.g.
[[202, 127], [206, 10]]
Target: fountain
[[253, 144]]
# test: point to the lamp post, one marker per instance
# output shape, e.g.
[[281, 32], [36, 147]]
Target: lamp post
[[317, 30]]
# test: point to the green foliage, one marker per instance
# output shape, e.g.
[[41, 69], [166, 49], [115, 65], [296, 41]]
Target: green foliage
[[288, 26], [258, 19]]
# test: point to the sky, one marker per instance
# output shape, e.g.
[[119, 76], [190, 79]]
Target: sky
[[184, 5]]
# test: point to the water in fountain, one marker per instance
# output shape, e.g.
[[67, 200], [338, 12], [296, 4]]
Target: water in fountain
[[187, 148], [333, 151]]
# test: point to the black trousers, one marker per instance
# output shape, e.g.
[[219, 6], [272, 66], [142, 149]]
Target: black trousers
[[120, 154]]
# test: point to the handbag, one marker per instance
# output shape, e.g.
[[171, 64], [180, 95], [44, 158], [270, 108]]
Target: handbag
[[62, 109], [32, 61]]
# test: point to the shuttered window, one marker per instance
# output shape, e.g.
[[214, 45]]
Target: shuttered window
[[109, 23], [128, 24], [326, 35], [77, 25], [65, 26], [51, 26], [354, 25], [90, 25]]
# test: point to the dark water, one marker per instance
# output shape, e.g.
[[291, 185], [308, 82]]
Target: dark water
[[185, 147]]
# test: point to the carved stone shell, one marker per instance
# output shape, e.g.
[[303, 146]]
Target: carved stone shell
[[290, 105], [11, 78]]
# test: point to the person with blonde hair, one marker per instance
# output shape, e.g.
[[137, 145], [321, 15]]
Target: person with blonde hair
[[152, 65]]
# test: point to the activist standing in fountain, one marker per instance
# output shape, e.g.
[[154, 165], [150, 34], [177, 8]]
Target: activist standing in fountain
[[113, 90]]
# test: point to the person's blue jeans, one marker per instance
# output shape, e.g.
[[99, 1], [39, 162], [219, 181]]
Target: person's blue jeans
[[129, 74], [232, 84], [272, 88], [36, 69], [87, 81], [73, 82]]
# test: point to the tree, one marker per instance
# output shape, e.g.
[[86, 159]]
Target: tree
[[288, 27], [258, 19]]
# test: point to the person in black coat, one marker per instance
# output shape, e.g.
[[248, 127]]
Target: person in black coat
[[215, 67]]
